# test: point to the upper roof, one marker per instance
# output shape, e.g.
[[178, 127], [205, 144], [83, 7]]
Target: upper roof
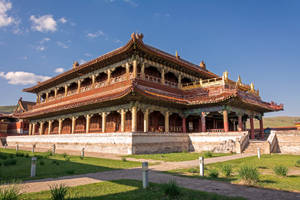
[[24, 106], [133, 45]]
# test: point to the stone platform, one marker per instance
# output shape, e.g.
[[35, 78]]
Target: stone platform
[[136, 143]]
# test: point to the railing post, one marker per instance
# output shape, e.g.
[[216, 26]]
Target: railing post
[[33, 148], [53, 149], [145, 174], [17, 147], [33, 167], [258, 153], [82, 152], [201, 166]]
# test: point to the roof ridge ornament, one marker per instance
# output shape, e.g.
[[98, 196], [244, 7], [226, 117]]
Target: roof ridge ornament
[[176, 54], [137, 37], [202, 65], [75, 64]]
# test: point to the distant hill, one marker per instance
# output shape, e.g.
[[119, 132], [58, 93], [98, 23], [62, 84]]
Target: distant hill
[[7, 109], [273, 122]]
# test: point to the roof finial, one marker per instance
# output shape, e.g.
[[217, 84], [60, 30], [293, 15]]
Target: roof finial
[[75, 64], [176, 54], [202, 65], [252, 87], [239, 80]]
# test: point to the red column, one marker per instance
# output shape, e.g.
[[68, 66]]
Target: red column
[[252, 128], [240, 122], [199, 125], [261, 126], [184, 124], [203, 122], [225, 119]]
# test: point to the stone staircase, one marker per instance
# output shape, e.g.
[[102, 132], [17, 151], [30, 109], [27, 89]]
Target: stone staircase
[[254, 144]]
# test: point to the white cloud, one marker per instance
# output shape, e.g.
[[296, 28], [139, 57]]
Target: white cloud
[[59, 70], [62, 45], [88, 55], [22, 78], [40, 48], [5, 20], [63, 20], [131, 2], [44, 23], [81, 61], [44, 40], [117, 41], [96, 34]]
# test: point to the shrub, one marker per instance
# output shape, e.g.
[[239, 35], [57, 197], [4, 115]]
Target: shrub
[[280, 170], [171, 189], [55, 162], [124, 159], [213, 173], [297, 163], [19, 154], [208, 154], [10, 192], [49, 153], [3, 156], [11, 155], [26, 155], [70, 171], [227, 170], [65, 155], [193, 170], [58, 192], [81, 157], [248, 174], [10, 162], [42, 162], [67, 158]]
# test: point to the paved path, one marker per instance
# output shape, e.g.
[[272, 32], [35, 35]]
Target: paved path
[[218, 187]]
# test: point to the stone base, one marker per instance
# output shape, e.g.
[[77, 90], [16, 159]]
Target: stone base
[[132, 143], [288, 141]]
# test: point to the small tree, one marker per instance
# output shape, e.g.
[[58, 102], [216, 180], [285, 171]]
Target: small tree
[[249, 174], [227, 170], [280, 170]]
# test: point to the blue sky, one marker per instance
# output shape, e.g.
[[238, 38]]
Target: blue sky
[[258, 40]]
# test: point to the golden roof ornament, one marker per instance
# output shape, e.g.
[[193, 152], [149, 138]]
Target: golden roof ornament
[[75, 64], [239, 80], [176, 54], [252, 87], [202, 65], [225, 75]]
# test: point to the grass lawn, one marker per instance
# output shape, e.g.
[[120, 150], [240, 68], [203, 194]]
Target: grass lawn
[[54, 166], [126, 189], [265, 165], [176, 157]]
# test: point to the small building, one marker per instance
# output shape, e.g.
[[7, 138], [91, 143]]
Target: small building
[[140, 89]]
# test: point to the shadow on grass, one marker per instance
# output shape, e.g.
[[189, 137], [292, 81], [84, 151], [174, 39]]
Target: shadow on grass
[[54, 166], [267, 181]]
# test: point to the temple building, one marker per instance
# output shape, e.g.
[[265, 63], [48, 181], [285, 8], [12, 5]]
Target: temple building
[[140, 89]]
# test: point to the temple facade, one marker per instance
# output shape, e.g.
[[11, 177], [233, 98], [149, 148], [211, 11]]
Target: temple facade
[[138, 88]]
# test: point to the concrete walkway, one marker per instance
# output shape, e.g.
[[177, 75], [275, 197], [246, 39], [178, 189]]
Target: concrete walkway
[[218, 187]]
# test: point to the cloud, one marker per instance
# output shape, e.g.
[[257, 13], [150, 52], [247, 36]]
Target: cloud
[[22, 78], [131, 2], [44, 23], [81, 61], [117, 41], [63, 20], [96, 34], [40, 48], [87, 55], [5, 20], [44, 40], [62, 45], [59, 70]]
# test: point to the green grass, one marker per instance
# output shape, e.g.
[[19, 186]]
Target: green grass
[[56, 166], [265, 165], [175, 157], [126, 190], [273, 122]]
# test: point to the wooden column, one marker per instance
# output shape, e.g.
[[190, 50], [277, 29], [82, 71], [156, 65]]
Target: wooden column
[[29, 128], [146, 120], [143, 71], [203, 121], [93, 80], [225, 120], [108, 76], [78, 86], [33, 129], [59, 126], [183, 124], [179, 81], [199, 125], [127, 71], [41, 128], [37, 98], [162, 76], [47, 96], [167, 121], [123, 120], [261, 128], [49, 126], [55, 92], [240, 123], [134, 72], [133, 119], [252, 128], [73, 125], [103, 121], [87, 125], [66, 90]]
